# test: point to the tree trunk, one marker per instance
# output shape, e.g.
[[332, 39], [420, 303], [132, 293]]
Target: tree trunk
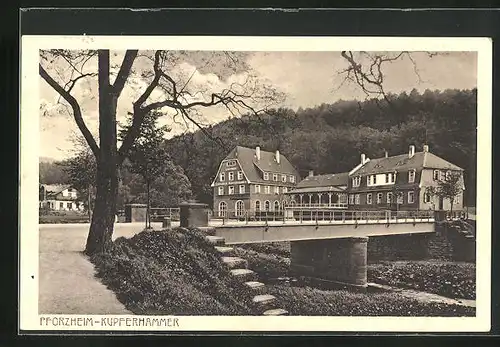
[[148, 216], [89, 208], [103, 217]]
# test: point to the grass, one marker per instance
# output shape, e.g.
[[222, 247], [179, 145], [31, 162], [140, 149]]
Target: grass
[[450, 279], [175, 272], [306, 301], [267, 265]]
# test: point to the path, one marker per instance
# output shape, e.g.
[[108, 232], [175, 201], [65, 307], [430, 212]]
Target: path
[[67, 284], [424, 296]]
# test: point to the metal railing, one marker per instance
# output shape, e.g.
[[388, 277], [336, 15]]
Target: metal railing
[[158, 214], [317, 205], [296, 216]]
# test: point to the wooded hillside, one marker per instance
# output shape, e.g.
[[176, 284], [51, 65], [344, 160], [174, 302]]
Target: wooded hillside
[[330, 138]]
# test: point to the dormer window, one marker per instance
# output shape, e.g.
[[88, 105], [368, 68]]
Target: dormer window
[[356, 181], [275, 177], [283, 178], [292, 178], [435, 175], [411, 176], [266, 176], [231, 163], [448, 175], [240, 175], [372, 180]]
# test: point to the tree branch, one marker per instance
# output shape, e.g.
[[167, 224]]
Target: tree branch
[[124, 71], [77, 113]]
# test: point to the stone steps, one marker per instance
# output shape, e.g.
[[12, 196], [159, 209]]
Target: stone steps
[[238, 267], [235, 262], [225, 251], [257, 287], [275, 312], [245, 275], [216, 240]]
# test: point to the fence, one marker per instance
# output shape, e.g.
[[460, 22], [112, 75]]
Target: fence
[[291, 215]]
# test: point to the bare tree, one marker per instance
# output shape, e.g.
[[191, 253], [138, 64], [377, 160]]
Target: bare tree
[[172, 92]]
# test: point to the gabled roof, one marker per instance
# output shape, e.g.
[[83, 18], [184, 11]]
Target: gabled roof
[[55, 188], [250, 165], [401, 163], [329, 180]]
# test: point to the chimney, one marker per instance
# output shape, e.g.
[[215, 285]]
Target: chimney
[[277, 156], [311, 173], [257, 153], [411, 152], [426, 148], [386, 154], [363, 158]]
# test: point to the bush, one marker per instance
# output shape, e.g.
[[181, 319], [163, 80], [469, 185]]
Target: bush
[[267, 265], [175, 272], [450, 279], [305, 301]]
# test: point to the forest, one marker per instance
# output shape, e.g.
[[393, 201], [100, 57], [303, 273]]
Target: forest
[[327, 138]]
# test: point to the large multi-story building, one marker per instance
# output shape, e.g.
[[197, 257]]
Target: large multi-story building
[[252, 180], [400, 182]]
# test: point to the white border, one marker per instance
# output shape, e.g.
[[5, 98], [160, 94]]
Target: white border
[[29, 138]]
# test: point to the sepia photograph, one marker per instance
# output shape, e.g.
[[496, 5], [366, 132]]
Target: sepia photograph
[[264, 181]]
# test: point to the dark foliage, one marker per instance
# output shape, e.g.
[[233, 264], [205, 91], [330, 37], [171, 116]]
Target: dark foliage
[[174, 272], [307, 301], [450, 279]]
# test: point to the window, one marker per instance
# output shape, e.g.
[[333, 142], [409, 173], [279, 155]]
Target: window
[[427, 198], [257, 205], [283, 178], [369, 198], [275, 177], [435, 175], [411, 176], [276, 190], [231, 176], [441, 175], [357, 198], [222, 176], [242, 189], [231, 163], [389, 198], [389, 177], [292, 178], [285, 189], [351, 199], [240, 175], [267, 205], [266, 176], [69, 205], [400, 198], [231, 190], [222, 209], [276, 205], [356, 181], [61, 205], [374, 179], [379, 198], [448, 175], [221, 190], [267, 189], [411, 197], [239, 208], [257, 188]]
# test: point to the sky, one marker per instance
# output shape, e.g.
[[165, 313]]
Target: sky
[[303, 79]]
